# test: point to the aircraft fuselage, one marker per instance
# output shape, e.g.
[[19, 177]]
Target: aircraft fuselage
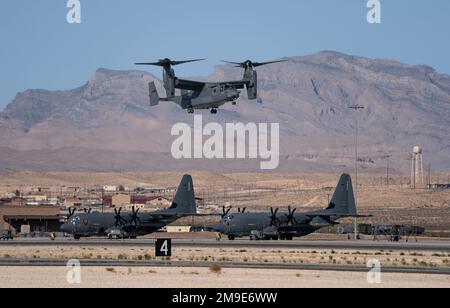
[[240, 225], [97, 224], [211, 96]]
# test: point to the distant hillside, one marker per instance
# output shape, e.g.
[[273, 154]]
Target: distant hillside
[[107, 124]]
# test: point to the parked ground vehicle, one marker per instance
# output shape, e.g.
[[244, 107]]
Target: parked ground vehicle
[[116, 233], [6, 235]]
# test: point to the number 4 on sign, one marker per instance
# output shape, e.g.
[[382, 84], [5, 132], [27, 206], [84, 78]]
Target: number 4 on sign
[[74, 14], [164, 248]]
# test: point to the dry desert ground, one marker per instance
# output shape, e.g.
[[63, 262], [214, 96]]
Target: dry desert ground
[[94, 277]]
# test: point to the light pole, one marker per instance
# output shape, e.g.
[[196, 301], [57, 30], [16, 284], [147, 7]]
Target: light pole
[[356, 108], [388, 171]]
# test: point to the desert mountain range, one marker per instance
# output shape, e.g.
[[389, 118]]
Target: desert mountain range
[[107, 124]]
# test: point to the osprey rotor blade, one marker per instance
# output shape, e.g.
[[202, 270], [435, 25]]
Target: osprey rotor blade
[[187, 61], [256, 64], [251, 64], [168, 62]]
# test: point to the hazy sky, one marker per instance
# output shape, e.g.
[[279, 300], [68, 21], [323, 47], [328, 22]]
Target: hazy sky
[[39, 49]]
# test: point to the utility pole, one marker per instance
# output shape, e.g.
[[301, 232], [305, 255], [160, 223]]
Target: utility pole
[[103, 200], [356, 108], [429, 176], [387, 174]]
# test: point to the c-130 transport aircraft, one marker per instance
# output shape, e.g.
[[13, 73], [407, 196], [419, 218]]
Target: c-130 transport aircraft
[[133, 224], [288, 225]]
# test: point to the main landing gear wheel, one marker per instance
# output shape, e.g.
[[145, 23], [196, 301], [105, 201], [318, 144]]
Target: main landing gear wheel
[[231, 237], [214, 111], [190, 110], [77, 237], [234, 103]]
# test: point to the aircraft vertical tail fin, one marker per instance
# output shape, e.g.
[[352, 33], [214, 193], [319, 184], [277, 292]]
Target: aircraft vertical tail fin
[[343, 201], [184, 201], [153, 93]]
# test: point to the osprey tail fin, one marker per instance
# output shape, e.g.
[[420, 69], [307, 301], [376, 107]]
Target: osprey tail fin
[[153, 93]]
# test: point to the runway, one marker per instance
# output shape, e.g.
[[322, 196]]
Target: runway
[[441, 246], [235, 265]]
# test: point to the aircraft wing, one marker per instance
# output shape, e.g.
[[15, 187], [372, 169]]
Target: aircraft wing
[[235, 84], [198, 85], [343, 215], [189, 85]]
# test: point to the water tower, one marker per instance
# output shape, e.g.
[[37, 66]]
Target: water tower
[[417, 176]]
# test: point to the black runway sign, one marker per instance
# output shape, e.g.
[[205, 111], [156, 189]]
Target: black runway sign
[[163, 248]]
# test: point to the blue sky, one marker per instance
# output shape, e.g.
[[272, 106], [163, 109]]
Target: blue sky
[[39, 49]]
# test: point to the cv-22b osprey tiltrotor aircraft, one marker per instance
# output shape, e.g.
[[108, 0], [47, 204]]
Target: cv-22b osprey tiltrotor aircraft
[[204, 95]]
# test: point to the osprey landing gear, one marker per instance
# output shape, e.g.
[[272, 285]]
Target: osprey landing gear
[[213, 111], [190, 110]]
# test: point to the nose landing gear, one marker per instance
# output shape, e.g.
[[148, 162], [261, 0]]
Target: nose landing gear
[[213, 111]]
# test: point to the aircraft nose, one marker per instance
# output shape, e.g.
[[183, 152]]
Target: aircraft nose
[[65, 228], [218, 228]]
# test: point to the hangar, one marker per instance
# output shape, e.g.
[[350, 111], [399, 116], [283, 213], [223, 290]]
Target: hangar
[[26, 219]]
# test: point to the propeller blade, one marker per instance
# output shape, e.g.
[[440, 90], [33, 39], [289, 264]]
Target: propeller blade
[[71, 212], [292, 212], [226, 211], [148, 63], [256, 64], [250, 64], [290, 217], [187, 61], [118, 217], [134, 217], [274, 219], [234, 63], [168, 62]]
